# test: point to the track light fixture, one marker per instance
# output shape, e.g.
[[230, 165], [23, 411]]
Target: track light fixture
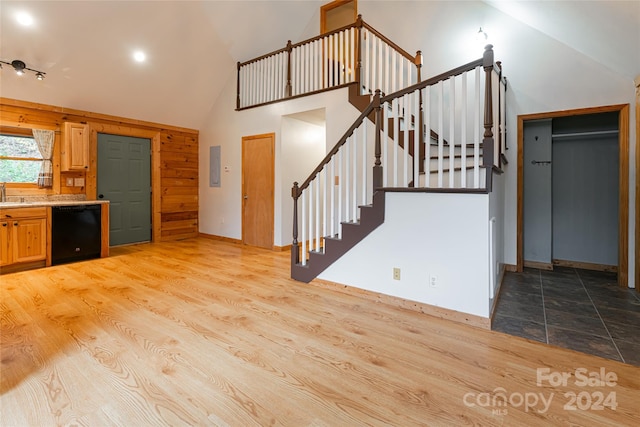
[[21, 68]]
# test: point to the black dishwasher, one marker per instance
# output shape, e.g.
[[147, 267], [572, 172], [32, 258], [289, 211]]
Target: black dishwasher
[[75, 233]]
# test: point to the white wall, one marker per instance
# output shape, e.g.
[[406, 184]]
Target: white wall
[[497, 213], [221, 208], [445, 235], [303, 147], [544, 75]]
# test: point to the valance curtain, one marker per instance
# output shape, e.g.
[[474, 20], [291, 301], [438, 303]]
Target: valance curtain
[[44, 139]]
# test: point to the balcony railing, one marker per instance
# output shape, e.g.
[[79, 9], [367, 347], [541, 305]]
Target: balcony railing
[[355, 54]]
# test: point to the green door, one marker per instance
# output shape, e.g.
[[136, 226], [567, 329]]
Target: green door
[[124, 178]]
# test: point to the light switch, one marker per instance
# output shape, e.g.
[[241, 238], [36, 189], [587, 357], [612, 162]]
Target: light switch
[[78, 182], [69, 182]]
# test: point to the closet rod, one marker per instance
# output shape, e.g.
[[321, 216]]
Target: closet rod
[[590, 133]]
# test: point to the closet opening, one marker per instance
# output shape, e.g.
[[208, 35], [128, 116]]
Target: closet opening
[[573, 190]]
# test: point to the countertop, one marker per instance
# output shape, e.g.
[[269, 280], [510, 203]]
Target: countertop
[[40, 203]]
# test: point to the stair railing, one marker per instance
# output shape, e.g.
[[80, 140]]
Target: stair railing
[[458, 105], [332, 192], [354, 54]]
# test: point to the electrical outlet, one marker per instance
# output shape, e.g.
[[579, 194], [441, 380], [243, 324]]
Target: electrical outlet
[[69, 182], [396, 273], [433, 281]]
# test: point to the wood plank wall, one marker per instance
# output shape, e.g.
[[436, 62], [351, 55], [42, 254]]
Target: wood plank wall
[[174, 161]]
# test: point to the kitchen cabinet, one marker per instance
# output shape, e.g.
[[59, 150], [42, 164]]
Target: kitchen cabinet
[[75, 147], [23, 235]]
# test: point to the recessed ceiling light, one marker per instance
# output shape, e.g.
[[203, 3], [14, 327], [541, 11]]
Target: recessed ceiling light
[[24, 18], [139, 56]]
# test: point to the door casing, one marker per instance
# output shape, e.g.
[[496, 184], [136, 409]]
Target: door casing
[[258, 189], [154, 136], [327, 23], [623, 180]]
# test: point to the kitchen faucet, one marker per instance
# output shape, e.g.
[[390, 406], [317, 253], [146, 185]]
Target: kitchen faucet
[[3, 192]]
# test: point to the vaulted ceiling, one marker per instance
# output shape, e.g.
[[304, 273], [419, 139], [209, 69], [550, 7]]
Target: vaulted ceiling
[[86, 48], [192, 47]]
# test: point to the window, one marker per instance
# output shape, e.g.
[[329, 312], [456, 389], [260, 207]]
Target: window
[[20, 159]]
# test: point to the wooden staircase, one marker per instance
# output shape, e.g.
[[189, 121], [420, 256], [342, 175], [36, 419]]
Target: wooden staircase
[[442, 165], [371, 217]]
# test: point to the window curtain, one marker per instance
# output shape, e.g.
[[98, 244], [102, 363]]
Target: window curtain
[[44, 139]]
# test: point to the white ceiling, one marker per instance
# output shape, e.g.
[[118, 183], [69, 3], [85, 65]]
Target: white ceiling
[[85, 47], [192, 47], [606, 31]]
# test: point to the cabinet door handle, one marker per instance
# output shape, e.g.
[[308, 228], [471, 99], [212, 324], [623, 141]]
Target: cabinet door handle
[[15, 223], [4, 224]]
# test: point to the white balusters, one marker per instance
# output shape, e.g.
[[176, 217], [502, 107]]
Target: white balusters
[[426, 114], [325, 201], [303, 228], [406, 119], [417, 130], [477, 123], [347, 181], [354, 179], [452, 131], [340, 185], [365, 168], [311, 215], [463, 133], [385, 143], [396, 136], [440, 132], [317, 216]]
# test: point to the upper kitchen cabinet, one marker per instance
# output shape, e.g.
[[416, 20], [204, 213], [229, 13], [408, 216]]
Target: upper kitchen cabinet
[[75, 147]]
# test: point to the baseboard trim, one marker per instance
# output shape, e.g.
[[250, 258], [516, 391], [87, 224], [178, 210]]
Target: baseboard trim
[[239, 242], [511, 268], [220, 238], [585, 265], [440, 312], [539, 265], [14, 268]]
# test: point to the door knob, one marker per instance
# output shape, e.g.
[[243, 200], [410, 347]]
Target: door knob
[[100, 196]]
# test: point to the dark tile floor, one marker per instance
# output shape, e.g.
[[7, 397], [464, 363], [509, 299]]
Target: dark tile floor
[[582, 310]]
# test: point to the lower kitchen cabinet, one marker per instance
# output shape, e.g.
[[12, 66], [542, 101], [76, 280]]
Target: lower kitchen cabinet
[[23, 236]]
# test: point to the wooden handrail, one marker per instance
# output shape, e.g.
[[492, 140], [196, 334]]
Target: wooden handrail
[[266, 55], [400, 50], [379, 100], [339, 144], [430, 81], [360, 23], [291, 46]]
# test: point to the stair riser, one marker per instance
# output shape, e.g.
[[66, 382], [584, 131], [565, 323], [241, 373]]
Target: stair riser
[[433, 178]]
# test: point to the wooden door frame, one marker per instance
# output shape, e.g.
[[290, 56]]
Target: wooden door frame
[[637, 266], [156, 192], [271, 135], [623, 182], [334, 4]]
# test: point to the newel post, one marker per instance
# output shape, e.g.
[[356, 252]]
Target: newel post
[[238, 89], [289, 50], [359, 52], [487, 141], [295, 250], [418, 62], [377, 165]]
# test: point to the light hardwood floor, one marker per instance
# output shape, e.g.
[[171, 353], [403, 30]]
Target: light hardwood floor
[[201, 332]]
